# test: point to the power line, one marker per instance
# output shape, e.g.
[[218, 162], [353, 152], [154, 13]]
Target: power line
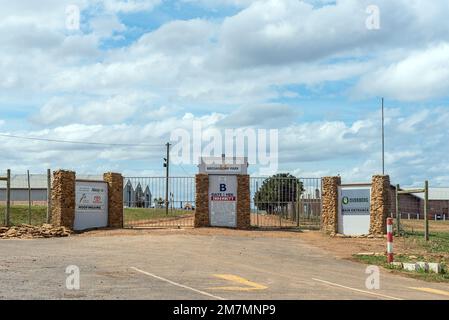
[[83, 142]]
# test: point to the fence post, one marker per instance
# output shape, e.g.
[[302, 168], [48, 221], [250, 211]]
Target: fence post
[[426, 205], [29, 197], [8, 198], [48, 195], [398, 217], [390, 257]]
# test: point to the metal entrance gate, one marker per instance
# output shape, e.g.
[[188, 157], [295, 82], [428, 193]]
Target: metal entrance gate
[[276, 202], [145, 205], [285, 202]]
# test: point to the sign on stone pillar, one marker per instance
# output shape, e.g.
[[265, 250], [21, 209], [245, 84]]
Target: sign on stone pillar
[[222, 193], [355, 209]]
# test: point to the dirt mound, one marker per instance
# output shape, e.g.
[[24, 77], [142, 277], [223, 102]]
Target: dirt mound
[[26, 231]]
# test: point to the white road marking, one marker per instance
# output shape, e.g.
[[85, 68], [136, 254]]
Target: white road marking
[[178, 284], [357, 290]]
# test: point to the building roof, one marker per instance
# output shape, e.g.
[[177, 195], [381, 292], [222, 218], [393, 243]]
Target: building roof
[[435, 194], [38, 181]]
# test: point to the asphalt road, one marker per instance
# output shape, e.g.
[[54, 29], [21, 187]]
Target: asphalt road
[[184, 266]]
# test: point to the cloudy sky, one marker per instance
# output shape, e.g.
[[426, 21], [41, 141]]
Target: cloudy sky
[[136, 70]]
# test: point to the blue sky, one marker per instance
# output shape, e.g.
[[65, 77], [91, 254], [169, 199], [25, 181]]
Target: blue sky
[[137, 70]]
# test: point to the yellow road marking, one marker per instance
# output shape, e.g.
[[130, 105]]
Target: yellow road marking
[[430, 290], [247, 285]]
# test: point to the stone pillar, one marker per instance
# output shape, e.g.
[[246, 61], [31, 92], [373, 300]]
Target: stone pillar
[[202, 201], [380, 204], [243, 202], [115, 199], [329, 215], [63, 199]]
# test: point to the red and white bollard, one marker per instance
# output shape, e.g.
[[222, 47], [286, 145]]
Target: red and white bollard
[[390, 240]]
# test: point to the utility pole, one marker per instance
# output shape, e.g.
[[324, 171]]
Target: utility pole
[[383, 138], [167, 168]]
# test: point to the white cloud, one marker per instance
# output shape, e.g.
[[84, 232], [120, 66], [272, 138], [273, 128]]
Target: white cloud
[[422, 75], [127, 6]]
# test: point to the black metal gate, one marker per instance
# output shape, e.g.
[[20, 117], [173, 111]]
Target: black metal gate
[[145, 204], [276, 202], [283, 201]]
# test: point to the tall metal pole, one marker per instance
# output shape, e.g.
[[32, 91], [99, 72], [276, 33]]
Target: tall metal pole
[[426, 210], [383, 138], [166, 177]]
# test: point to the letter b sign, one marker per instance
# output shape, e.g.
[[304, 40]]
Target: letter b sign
[[222, 187]]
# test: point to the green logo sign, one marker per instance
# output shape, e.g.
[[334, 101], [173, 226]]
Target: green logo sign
[[345, 200]]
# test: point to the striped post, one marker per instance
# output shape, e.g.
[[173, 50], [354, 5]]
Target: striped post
[[389, 240]]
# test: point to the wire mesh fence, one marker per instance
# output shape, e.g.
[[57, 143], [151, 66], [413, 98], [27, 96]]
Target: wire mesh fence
[[411, 214], [285, 202], [145, 202], [28, 199]]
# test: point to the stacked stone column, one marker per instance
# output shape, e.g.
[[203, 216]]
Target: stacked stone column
[[243, 202], [63, 199], [329, 216], [380, 204], [202, 201], [115, 199], [243, 212]]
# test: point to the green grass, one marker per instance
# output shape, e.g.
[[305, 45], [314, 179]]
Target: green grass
[[19, 214], [135, 214], [438, 241], [422, 275]]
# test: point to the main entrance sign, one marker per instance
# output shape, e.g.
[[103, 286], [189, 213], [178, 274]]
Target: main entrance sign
[[91, 206], [354, 209]]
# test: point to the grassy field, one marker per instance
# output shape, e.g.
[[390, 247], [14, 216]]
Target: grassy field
[[416, 249], [19, 214], [381, 261], [417, 226]]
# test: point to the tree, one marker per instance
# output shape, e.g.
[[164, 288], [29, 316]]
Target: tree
[[159, 202], [277, 191]]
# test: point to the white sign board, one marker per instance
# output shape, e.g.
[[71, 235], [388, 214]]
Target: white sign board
[[354, 210], [221, 166], [223, 201], [91, 208]]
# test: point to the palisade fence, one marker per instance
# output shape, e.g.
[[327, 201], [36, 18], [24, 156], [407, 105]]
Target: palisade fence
[[280, 202], [285, 202], [29, 194], [144, 200]]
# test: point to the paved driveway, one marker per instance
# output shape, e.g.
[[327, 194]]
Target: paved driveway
[[177, 265]]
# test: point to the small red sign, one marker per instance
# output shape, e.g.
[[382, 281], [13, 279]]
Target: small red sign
[[223, 198]]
